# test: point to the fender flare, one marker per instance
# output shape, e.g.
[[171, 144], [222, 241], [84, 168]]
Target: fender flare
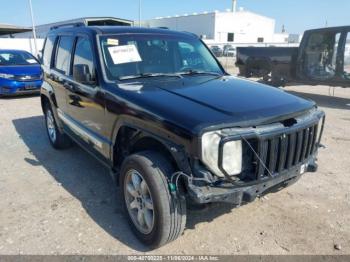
[[48, 92], [177, 151]]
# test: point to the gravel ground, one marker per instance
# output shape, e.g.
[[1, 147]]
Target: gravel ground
[[63, 202]]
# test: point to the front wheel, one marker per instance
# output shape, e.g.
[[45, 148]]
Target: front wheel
[[155, 215]]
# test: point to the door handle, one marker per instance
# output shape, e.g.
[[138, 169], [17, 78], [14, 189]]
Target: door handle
[[70, 86], [52, 77]]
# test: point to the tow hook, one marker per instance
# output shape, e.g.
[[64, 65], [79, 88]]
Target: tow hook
[[321, 146]]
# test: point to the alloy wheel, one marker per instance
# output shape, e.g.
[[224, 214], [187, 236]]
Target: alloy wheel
[[139, 201], [50, 123]]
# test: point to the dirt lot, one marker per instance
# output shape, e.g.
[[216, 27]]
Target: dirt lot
[[63, 202]]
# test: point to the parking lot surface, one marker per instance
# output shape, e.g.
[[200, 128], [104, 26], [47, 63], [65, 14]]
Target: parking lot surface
[[64, 202]]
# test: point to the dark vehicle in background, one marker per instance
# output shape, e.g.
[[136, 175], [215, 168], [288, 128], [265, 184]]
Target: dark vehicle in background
[[158, 109], [322, 58], [20, 73], [229, 50], [217, 50], [259, 61]]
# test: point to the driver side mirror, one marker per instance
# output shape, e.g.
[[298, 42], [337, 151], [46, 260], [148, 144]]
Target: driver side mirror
[[81, 74]]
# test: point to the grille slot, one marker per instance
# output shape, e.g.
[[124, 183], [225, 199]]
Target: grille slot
[[285, 151]]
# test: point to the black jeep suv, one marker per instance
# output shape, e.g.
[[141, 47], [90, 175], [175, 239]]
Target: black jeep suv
[[158, 109]]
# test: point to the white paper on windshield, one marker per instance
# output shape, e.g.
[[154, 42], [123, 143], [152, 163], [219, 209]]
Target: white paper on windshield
[[31, 61], [124, 54]]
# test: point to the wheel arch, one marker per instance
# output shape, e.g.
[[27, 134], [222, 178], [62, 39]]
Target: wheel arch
[[131, 139], [47, 97]]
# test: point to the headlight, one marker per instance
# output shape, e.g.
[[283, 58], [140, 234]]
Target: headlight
[[7, 76], [232, 157], [210, 151], [231, 160]]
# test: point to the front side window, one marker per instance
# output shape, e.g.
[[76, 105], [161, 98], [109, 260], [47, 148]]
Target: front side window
[[63, 56], [84, 56], [127, 55]]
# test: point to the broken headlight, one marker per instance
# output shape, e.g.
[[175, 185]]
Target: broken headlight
[[232, 157], [230, 161]]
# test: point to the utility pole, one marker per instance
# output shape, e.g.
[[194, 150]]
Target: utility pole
[[140, 12], [234, 6], [33, 28]]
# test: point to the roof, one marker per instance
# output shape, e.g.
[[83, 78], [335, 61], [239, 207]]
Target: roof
[[6, 29], [105, 30]]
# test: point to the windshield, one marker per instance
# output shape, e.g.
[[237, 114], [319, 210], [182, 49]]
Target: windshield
[[13, 58], [144, 54]]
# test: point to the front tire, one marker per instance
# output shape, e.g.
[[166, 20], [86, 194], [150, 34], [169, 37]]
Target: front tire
[[155, 215], [57, 139]]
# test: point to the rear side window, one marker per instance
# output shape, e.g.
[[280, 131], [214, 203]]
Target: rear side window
[[84, 55], [50, 41], [63, 56]]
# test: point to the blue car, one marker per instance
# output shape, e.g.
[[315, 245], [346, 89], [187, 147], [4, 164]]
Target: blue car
[[20, 73]]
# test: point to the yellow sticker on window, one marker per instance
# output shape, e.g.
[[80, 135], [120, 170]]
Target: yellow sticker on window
[[112, 41]]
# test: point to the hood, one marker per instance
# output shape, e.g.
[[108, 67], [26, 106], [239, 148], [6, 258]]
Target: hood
[[238, 97], [199, 102], [21, 70]]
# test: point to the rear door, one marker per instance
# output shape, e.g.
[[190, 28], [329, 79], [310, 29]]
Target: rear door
[[85, 101], [60, 71]]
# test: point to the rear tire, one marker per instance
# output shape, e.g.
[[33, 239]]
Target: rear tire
[[164, 220], [57, 139]]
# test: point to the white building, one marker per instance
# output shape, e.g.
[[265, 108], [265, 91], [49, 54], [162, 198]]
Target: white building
[[241, 27]]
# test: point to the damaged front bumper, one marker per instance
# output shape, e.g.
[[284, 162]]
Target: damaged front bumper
[[241, 194], [274, 156]]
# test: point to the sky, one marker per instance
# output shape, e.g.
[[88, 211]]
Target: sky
[[296, 15]]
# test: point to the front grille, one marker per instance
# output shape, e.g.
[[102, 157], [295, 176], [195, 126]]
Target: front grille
[[25, 78], [284, 151]]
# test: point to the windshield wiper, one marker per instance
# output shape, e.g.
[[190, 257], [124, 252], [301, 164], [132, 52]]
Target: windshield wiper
[[147, 75], [198, 72]]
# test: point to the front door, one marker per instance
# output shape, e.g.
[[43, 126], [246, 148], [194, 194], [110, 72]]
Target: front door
[[85, 101]]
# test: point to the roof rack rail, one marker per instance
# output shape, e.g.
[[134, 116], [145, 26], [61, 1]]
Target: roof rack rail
[[76, 24]]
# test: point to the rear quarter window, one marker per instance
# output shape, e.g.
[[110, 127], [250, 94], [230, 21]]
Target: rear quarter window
[[49, 44]]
